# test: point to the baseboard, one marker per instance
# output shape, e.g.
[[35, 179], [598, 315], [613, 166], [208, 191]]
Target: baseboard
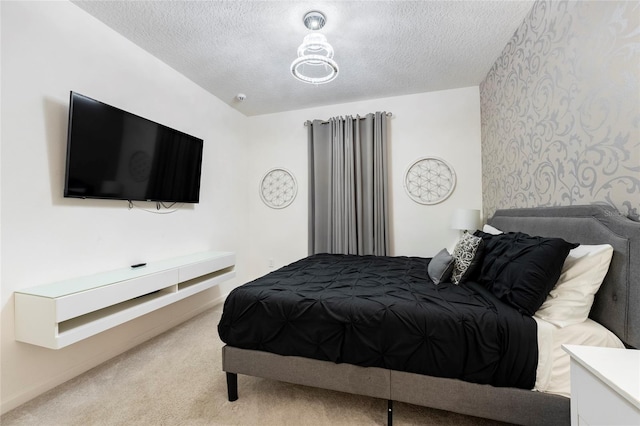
[[38, 390]]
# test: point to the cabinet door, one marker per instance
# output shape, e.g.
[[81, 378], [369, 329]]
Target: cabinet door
[[595, 403]]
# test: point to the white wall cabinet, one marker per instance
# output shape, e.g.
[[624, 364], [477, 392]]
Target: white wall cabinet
[[605, 386], [58, 314]]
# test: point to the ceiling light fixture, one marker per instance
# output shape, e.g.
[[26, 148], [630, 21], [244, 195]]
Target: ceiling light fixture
[[315, 62], [314, 20]]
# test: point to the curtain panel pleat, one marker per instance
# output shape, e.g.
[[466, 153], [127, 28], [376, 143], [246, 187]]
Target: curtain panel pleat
[[348, 190]]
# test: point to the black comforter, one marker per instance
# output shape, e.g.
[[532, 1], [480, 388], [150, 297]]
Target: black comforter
[[383, 312]]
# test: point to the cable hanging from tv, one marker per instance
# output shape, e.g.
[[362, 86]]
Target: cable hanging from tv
[[159, 206]]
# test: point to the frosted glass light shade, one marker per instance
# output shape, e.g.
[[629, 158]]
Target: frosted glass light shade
[[465, 219]]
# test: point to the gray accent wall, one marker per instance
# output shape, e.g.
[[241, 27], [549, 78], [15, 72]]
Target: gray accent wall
[[560, 110]]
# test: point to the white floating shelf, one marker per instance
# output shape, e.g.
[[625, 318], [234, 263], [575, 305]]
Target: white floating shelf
[[58, 314]]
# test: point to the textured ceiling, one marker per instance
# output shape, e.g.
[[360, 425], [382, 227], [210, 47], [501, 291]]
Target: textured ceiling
[[383, 48]]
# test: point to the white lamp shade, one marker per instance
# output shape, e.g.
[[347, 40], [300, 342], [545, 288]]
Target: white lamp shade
[[466, 219]]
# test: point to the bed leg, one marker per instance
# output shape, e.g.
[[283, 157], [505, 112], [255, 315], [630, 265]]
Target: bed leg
[[389, 413], [232, 386]]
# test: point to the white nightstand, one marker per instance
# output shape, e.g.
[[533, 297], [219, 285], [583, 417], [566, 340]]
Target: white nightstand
[[605, 385]]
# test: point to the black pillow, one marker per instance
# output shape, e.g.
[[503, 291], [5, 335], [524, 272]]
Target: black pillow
[[520, 269]]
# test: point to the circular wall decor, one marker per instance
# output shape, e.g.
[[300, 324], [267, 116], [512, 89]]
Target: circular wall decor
[[278, 188], [429, 180]]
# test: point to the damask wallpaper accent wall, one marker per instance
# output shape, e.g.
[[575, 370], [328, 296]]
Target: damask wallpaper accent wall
[[560, 110]]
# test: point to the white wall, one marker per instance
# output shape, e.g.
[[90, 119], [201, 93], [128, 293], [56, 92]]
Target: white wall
[[444, 124], [48, 49]]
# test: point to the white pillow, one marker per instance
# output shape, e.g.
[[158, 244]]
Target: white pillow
[[582, 274], [488, 229]]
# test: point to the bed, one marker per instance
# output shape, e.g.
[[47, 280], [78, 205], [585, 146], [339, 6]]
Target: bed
[[391, 369]]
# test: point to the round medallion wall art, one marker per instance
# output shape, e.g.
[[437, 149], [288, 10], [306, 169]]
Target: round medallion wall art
[[429, 180], [278, 188]]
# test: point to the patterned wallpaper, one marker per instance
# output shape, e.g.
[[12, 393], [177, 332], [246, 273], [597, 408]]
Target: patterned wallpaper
[[560, 110]]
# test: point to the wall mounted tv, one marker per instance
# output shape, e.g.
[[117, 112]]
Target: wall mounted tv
[[113, 154]]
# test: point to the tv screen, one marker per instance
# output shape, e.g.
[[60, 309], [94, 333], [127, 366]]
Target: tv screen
[[113, 154]]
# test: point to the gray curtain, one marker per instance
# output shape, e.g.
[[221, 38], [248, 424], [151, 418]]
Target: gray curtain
[[348, 190]]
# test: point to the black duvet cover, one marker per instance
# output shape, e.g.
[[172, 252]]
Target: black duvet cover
[[377, 311]]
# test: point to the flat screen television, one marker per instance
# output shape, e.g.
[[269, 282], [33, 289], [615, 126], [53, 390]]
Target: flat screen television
[[113, 154]]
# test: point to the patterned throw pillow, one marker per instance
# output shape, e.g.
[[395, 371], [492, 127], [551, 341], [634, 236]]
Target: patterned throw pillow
[[466, 255]]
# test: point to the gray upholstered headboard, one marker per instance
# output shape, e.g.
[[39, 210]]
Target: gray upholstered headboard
[[617, 303]]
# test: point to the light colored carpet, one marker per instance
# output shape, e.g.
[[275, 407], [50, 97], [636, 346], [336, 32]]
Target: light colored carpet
[[176, 379]]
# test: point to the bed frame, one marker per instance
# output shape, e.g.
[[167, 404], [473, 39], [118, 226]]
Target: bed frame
[[615, 307]]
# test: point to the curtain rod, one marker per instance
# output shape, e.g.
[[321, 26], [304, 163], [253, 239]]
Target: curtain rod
[[306, 123]]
